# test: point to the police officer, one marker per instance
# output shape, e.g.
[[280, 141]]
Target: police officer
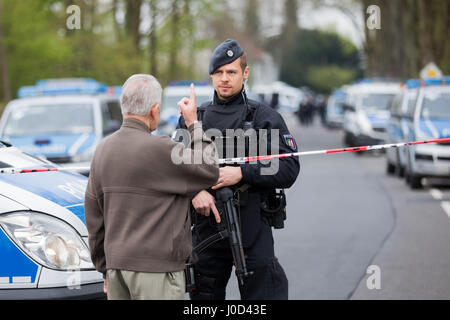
[[230, 109]]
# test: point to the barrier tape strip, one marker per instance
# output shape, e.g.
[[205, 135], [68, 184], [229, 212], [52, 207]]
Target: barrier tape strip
[[326, 151], [254, 158]]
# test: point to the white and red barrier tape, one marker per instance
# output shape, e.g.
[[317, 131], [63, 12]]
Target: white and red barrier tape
[[340, 150], [254, 158]]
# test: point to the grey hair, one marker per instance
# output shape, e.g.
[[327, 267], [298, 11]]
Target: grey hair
[[139, 94]]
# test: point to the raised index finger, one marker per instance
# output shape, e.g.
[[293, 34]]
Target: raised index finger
[[192, 97]]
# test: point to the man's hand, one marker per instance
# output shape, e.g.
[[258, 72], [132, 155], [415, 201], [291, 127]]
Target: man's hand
[[228, 176], [204, 202], [105, 289], [188, 107]]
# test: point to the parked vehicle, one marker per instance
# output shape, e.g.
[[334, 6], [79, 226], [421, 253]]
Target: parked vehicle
[[43, 237], [429, 119], [334, 110], [61, 120], [366, 111], [398, 126]]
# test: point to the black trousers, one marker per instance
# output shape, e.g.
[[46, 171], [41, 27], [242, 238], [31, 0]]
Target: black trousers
[[267, 282]]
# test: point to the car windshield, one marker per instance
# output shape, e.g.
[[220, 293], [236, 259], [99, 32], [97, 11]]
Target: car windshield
[[436, 105], [378, 101], [338, 106], [54, 118]]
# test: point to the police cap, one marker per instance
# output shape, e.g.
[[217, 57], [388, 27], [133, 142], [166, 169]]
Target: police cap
[[225, 53]]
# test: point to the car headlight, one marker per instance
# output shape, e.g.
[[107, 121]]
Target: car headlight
[[47, 240]]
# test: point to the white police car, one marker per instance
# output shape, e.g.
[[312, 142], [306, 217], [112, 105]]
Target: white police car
[[43, 238], [61, 120], [430, 119], [398, 127], [366, 111]]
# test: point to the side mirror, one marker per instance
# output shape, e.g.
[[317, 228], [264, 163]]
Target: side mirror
[[111, 126], [348, 107]]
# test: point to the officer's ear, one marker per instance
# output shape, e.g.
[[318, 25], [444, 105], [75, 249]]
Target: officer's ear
[[246, 72]]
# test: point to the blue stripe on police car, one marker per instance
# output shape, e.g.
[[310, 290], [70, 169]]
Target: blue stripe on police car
[[63, 188], [20, 269], [436, 128]]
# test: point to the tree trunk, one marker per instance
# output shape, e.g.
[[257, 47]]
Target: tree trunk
[[174, 41], [190, 38], [252, 24], [6, 90], [132, 21], [115, 9], [153, 41]]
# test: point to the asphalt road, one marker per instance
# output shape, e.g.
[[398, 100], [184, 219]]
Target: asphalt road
[[346, 214]]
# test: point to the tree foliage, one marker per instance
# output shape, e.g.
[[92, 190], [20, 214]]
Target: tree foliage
[[113, 42], [322, 60], [413, 33], [168, 38]]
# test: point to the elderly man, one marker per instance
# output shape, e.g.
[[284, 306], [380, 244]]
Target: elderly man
[[137, 199]]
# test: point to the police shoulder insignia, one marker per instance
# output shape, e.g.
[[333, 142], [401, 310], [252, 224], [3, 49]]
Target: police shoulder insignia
[[290, 141]]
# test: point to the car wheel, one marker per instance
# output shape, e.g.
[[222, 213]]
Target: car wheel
[[400, 171], [390, 168], [415, 182], [347, 139]]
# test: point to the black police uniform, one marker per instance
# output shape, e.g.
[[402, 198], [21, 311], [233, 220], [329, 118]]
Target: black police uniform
[[214, 265]]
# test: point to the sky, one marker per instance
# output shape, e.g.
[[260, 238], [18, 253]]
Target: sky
[[309, 17], [335, 19]]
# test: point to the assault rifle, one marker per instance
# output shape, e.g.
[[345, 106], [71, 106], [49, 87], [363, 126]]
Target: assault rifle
[[228, 228]]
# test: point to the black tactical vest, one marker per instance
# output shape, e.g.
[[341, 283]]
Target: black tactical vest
[[227, 124]]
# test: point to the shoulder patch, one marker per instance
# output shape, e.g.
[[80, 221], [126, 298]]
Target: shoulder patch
[[290, 141]]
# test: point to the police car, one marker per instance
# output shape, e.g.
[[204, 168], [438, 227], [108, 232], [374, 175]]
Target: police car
[[278, 95], [334, 111], [62, 120], [366, 111], [429, 119], [173, 93], [43, 238], [398, 126]]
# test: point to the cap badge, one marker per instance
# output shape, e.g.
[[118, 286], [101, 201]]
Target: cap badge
[[230, 53]]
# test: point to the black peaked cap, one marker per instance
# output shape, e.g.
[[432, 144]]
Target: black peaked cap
[[225, 53]]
